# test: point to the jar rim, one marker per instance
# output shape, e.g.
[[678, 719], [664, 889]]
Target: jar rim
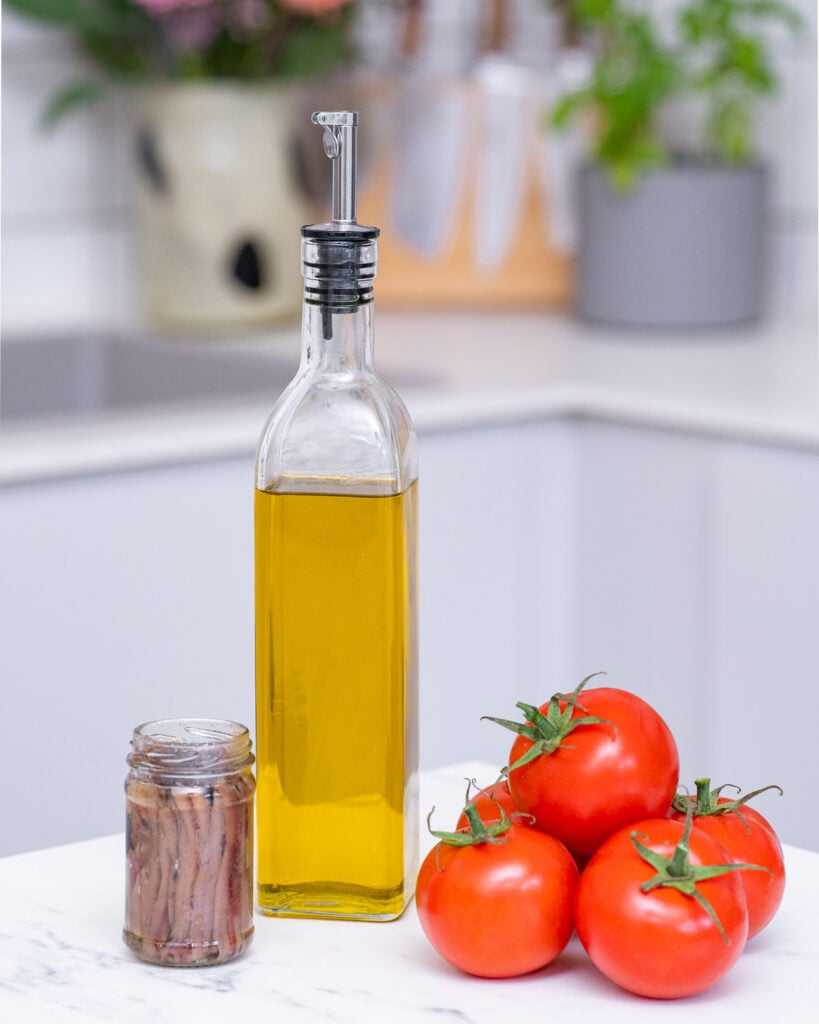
[[191, 747]]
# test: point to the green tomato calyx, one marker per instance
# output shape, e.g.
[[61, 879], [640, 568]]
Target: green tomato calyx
[[706, 802], [476, 831], [677, 872], [548, 731]]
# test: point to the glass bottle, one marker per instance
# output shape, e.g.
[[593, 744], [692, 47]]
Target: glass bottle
[[336, 597], [189, 842]]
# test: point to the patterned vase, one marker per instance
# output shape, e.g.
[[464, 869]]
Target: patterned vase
[[218, 206]]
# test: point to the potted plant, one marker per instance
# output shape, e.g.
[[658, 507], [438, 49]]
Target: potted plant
[[218, 201], [673, 235]]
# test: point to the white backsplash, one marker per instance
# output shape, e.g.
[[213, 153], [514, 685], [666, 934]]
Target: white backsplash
[[66, 241], [65, 217]]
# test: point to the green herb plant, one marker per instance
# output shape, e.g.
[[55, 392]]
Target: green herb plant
[[718, 50]]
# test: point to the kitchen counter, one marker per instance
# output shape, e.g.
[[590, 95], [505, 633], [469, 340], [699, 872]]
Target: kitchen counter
[[455, 370], [62, 959]]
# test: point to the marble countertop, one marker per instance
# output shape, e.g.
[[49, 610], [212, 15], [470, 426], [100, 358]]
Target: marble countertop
[[756, 384], [62, 959]]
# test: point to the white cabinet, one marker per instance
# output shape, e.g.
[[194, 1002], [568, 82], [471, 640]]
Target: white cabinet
[[129, 597], [123, 598], [762, 654], [688, 568], [492, 552], [695, 582], [636, 586]]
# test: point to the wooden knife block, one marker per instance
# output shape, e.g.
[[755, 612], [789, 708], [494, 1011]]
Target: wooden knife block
[[534, 274]]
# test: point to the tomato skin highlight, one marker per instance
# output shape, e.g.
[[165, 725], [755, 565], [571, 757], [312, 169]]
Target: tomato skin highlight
[[488, 809], [602, 778], [661, 944], [760, 845], [497, 910]]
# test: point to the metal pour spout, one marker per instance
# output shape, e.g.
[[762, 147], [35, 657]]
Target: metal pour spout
[[340, 130]]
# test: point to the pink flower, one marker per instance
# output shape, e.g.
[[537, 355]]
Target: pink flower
[[189, 25], [246, 18], [316, 7], [160, 7], [193, 29]]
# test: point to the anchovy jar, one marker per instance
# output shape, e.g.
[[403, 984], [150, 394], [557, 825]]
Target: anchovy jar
[[189, 840]]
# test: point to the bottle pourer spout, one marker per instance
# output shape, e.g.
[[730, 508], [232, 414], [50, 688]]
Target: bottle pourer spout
[[340, 128]]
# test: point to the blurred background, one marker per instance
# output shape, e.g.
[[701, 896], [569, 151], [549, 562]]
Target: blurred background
[[597, 295], [462, 68]]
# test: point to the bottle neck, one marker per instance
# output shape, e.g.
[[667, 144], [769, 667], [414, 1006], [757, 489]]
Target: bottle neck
[[335, 341]]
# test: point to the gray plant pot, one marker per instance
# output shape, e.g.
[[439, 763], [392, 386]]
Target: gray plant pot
[[684, 249]]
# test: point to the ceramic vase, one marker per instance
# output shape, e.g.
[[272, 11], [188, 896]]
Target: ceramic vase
[[218, 206]]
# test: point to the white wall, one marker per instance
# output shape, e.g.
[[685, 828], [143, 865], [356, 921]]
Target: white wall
[[65, 235], [65, 205], [788, 139]]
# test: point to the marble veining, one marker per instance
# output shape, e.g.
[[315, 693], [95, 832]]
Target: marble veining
[[62, 959]]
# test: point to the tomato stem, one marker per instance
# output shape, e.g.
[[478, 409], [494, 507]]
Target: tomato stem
[[548, 731], [706, 802], [677, 872], [477, 831]]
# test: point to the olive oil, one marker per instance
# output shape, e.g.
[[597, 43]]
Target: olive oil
[[336, 601], [336, 691]]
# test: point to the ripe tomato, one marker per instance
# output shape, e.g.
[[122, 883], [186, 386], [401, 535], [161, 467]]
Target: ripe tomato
[[748, 838], [592, 766], [488, 801], [498, 909], [660, 943]]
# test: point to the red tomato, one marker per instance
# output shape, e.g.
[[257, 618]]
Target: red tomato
[[661, 943], [487, 801], [752, 841], [498, 909], [602, 775]]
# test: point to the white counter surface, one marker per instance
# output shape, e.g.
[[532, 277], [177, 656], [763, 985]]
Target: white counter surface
[[62, 959], [757, 384]]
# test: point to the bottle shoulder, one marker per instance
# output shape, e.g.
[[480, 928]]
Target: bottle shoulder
[[327, 428]]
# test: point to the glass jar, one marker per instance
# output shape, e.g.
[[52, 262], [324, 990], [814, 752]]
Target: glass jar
[[189, 841]]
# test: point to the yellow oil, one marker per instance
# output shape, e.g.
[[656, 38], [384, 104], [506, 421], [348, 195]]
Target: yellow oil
[[335, 702]]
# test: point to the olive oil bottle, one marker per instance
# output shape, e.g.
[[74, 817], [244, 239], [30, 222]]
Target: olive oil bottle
[[336, 597]]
